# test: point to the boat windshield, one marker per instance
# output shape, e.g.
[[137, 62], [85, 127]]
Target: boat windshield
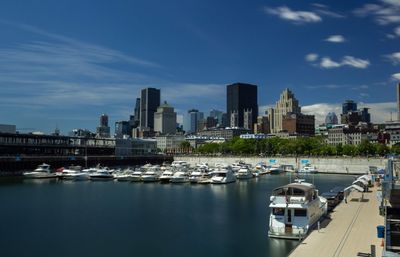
[[300, 212], [278, 211]]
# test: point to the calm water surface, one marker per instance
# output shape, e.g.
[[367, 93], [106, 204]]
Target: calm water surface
[[50, 218]]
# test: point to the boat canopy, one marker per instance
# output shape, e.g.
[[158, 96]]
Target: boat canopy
[[294, 190]]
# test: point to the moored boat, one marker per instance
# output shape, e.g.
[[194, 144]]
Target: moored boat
[[166, 176], [295, 210], [308, 169], [42, 171], [222, 176], [244, 173], [101, 174], [276, 169], [180, 177]]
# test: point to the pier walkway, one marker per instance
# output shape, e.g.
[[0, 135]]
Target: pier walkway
[[350, 231]]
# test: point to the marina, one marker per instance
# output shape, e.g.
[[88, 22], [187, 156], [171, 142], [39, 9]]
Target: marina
[[182, 219]]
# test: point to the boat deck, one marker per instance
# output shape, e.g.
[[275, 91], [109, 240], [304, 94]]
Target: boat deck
[[350, 231]]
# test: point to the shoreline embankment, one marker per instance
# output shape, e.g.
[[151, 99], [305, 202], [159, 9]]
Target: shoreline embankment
[[334, 165]]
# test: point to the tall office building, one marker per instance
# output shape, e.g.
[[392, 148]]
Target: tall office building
[[122, 128], [349, 106], [136, 113], [287, 104], [216, 114], [149, 102], [165, 119], [331, 119], [103, 130], [192, 120], [241, 97]]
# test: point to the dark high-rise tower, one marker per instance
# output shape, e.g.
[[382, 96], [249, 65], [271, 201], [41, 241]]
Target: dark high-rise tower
[[349, 106], [241, 97], [149, 102]]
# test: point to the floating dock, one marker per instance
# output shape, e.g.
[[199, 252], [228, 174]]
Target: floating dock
[[350, 230]]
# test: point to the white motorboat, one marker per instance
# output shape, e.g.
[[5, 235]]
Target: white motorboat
[[101, 174], [295, 210], [288, 168], [166, 176], [136, 176], [198, 175], [260, 169], [125, 175], [244, 173], [179, 165], [180, 177], [222, 176], [152, 174], [308, 169], [276, 169], [74, 173], [42, 171]]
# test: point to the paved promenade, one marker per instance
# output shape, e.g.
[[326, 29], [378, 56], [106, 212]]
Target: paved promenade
[[351, 230]]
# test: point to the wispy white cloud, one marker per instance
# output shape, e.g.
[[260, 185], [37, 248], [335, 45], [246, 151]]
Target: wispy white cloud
[[396, 76], [324, 10], [328, 63], [298, 17], [312, 57], [335, 39], [387, 12], [355, 62], [396, 33], [393, 57]]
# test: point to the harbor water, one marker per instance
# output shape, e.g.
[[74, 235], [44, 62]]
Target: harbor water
[[47, 218]]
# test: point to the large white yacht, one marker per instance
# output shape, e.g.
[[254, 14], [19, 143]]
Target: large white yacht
[[179, 165], [152, 174], [180, 177], [74, 173], [308, 169], [222, 176], [42, 171], [198, 175], [101, 174], [166, 176], [244, 173], [295, 209], [136, 175]]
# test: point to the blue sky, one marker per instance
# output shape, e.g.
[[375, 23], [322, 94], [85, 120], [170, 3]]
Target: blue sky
[[66, 62]]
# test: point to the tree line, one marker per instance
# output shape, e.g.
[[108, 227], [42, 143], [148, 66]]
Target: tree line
[[306, 146]]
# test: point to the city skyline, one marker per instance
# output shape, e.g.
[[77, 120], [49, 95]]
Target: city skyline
[[64, 68]]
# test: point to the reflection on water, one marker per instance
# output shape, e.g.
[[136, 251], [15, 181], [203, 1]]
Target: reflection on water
[[279, 247]]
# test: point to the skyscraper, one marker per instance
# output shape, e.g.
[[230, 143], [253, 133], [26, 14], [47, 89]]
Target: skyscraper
[[165, 119], [287, 104], [349, 106], [192, 120], [241, 96], [103, 130], [331, 119], [137, 112], [149, 102]]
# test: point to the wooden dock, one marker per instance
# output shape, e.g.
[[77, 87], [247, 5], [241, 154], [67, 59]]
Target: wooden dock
[[350, 231]]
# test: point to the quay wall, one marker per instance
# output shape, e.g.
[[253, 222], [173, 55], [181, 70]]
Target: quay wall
[[341, 165]]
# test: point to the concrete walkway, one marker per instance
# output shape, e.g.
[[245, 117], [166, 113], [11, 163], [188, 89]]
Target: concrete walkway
[[351, 230]]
